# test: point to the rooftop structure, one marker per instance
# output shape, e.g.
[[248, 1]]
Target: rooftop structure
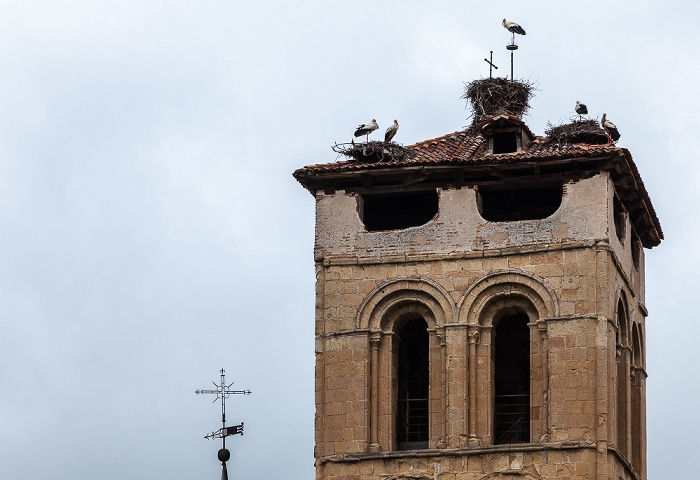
[[480, 308]]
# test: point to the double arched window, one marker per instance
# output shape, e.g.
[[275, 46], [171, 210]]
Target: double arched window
[[444, 374], [630, 388], [407, 365]]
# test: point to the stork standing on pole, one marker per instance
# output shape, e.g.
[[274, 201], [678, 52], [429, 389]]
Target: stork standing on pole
[[513, 28]]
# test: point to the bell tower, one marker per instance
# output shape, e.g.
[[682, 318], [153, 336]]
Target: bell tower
[[480, 308]]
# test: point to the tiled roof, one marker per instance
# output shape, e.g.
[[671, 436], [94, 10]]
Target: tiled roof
[[464, 149]]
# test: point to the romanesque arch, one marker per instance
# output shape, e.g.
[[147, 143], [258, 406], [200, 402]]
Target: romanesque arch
[[499, 289], [384, 314], [622, 319], [526, 299], [392, 294], [623, 387], [638, 379]]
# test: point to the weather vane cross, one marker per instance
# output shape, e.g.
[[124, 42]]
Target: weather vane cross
[[222, 392], [491, 65]]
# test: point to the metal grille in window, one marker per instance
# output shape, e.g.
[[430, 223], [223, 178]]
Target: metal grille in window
[[413, 423], [412, 415], [511, 416], [512, 419]]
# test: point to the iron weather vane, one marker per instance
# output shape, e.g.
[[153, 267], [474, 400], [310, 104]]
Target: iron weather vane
[[222, 392]]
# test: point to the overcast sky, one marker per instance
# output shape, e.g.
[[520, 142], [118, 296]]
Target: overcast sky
[[151, 232]]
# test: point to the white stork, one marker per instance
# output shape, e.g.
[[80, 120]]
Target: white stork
[[610, 129], [513, 28], [366, 129], [581, 109], [391, 131]]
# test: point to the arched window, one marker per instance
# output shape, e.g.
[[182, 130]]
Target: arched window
[[623, 377], [412, 412], [511, 358], [637, 399]]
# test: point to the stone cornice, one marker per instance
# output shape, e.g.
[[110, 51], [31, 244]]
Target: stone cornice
[[461, 451], [431, 257]]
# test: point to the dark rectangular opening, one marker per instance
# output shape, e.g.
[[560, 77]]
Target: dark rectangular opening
[[619, 219], [505, 142], [511, 204], [398, 210], [636, 250], [412, 412], [511, 415]]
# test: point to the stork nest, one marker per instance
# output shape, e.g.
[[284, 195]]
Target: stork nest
[[578, 131], [374, 152], [489, 96]]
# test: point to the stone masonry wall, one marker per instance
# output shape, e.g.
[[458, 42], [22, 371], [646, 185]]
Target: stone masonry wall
[[567, 273]]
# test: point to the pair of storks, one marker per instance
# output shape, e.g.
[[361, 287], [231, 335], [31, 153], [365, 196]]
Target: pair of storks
[[608, 126], [367, 128]]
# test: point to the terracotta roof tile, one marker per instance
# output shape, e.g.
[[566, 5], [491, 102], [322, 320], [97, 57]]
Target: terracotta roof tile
[[465, 148]]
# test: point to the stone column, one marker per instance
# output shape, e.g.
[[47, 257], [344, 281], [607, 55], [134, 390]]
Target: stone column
[[542, 327], [457, 385], [375, 341], [473, 335]]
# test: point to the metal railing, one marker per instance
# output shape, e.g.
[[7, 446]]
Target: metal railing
[[511, 419], [412, 423]]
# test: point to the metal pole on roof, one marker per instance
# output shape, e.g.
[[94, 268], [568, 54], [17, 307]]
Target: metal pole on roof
[[512, 47]]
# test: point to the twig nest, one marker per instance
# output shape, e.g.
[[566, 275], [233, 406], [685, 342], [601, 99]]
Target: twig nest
[[578, 131], [374, 152], [489, 96]]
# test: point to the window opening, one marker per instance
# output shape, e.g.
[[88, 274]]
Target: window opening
[[392, 211], [512, 204], [619, 219], [413, 379], [623, 379], [636, 250], [637, 399], [505, 142], [512, 380]]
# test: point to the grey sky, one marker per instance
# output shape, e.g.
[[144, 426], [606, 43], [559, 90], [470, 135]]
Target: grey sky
[[151, 231]]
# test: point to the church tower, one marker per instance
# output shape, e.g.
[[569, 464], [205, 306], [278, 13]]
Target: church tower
[[480, 308]]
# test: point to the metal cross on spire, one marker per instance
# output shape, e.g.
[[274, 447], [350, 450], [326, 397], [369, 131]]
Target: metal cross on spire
[[491, 65], [222, 392]]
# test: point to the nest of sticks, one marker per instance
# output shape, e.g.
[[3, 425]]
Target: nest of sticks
[[578, 131], [374, 152], [489, 96]]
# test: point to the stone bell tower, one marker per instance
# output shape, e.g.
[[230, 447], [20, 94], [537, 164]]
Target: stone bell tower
[[480, 308]]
